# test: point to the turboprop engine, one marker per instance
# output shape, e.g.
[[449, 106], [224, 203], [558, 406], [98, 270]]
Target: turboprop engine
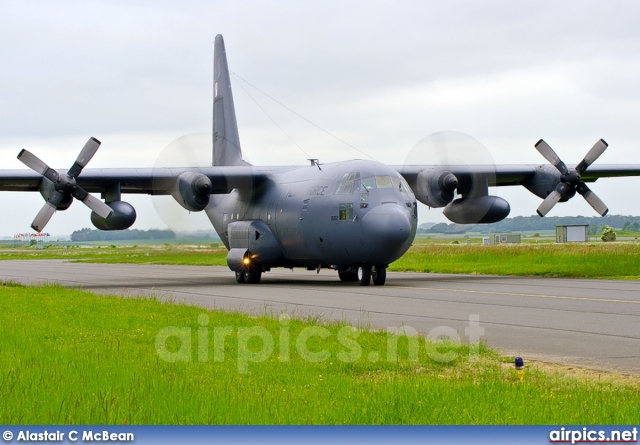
[[435, 188], [192, 191]]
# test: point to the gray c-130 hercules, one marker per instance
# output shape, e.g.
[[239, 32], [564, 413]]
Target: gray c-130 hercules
[[355, 217]]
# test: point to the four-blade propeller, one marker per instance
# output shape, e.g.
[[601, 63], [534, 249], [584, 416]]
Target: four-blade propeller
[[65, 184], [570, 180]]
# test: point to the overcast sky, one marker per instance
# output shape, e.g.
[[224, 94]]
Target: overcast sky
[[378, 75]]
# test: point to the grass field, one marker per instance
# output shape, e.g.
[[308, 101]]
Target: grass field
[[70, 357], [591, 260], [619, 260]]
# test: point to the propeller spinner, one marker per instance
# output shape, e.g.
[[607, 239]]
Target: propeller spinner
[[65, 184], [570, 180]]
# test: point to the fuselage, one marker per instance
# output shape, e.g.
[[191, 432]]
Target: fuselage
[[335, 215]]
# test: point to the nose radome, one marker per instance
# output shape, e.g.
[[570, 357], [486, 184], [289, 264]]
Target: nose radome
[[386, 228]]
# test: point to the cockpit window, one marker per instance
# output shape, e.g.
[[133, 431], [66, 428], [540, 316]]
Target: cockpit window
[[352, 183], [349, 183], [404, 187], [369, 183], [384, 182]]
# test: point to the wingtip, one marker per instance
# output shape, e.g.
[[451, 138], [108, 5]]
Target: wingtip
[[604, 142], [539, 142]]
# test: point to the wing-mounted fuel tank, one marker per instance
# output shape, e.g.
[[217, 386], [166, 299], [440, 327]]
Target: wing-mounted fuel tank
[[435, 187], [476, 206], [122, 217], [252, 242]]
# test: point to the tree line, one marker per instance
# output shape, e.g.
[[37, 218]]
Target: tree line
[[535, 223], [87, 234]]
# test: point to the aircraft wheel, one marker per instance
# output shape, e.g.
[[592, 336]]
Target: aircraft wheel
[[348, 276], [379, 275], [364, 275], [241, 277], [254, 275]]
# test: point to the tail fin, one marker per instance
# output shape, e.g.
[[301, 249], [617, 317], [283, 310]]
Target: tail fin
[[226, 142]]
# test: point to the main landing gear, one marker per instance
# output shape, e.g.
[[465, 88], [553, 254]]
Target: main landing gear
[[364, 274]]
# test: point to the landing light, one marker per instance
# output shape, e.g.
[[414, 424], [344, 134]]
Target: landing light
[[246, 261]]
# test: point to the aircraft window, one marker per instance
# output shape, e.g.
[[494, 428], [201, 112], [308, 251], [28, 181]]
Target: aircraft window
[[346, 186], [364, 196], [404, 188], [346, 211], [384, 182], [369, 183]]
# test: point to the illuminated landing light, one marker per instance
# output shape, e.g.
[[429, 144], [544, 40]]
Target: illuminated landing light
[[246, 261]]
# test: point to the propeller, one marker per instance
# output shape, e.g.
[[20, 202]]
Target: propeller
[[188, 151], [452, 152], [65, 184], [570, 180]]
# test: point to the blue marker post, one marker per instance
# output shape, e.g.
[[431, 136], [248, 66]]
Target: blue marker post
[[519, 362]]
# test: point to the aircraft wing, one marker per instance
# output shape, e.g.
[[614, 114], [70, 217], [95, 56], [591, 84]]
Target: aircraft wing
[[156, 181], [516, 174], [555, 182]]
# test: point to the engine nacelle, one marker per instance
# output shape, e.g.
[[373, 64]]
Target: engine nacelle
[[123, 217], [47, 188], [479, 210], [192, 191], [544, 181], [435, 188]]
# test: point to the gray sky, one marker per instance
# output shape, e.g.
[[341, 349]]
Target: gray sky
[[379, 75]]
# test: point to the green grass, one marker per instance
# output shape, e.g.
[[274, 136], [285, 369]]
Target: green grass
[[591, 260], [71, 357], [176, 254], [619, 260]]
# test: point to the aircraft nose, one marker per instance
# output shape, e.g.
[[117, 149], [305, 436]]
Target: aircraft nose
[[386, 229]]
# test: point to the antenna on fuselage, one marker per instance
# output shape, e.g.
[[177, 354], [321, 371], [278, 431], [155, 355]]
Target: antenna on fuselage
[[315, 162]]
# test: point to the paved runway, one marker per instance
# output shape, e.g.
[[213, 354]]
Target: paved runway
[[594, 323]]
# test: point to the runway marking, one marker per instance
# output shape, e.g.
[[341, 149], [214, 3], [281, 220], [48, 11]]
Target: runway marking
[[557, 297]]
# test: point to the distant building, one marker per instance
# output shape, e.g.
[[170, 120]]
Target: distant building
[[503, 238], [572, 233]]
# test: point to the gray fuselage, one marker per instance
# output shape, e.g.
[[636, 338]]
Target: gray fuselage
[[340, 214]]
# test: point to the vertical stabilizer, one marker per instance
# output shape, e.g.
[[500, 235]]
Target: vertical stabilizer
[[226, 142]]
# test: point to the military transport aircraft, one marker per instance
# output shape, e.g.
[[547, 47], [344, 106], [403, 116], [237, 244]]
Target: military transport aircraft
[[355, 217]]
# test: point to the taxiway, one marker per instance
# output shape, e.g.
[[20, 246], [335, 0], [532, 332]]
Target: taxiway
[[592, 323]]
